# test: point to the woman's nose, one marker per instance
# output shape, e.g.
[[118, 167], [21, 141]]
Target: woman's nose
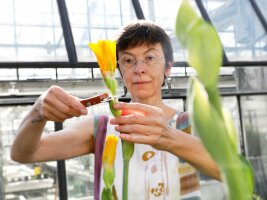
[[139, 65]]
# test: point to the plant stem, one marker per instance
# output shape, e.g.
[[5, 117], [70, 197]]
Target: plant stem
[[125, 179]]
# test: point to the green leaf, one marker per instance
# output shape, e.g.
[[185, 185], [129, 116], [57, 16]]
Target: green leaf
[[213, 125], [115, 113], [108, 176], [236, 182], [248, 173], [127, 150], [209, 126], [202, 42], [205, 53], [106, 194], [186, 18], [230, 129], [111, 84]]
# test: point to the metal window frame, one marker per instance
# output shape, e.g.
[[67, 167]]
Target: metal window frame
[[73, 63]]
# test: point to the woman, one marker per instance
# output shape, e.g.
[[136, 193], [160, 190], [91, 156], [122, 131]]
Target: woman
[[145, 58]]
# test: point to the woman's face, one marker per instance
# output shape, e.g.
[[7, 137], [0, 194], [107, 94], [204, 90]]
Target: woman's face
[[143, 69]]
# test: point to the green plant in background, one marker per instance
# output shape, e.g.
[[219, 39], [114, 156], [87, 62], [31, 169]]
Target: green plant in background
[[105, 51], [211, 122]]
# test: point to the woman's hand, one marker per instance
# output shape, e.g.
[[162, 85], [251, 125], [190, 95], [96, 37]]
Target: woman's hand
[[143, 124], [58, 105]]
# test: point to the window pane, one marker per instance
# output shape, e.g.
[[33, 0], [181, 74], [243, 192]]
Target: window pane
[[254, 115], [77, 73], [254, 112], [23, 181], [251, 79], [153, 10], [31, 31], [8, 74], [240, 31], [37, 73], [92, 20], [262, 4]]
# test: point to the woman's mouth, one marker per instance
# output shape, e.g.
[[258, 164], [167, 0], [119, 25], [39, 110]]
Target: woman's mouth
[[140, 82]]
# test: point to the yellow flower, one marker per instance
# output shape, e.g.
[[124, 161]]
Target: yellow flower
[[105, 51], [108, 160], [109, 151]]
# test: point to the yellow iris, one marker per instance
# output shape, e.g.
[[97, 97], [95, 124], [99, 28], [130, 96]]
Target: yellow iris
[[109, 151], [105, 51]]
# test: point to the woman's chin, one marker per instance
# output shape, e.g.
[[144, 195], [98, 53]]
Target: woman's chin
[[141, 94]]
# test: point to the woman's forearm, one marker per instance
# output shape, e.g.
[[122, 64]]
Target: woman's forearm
[[190, 149], [28, 137]]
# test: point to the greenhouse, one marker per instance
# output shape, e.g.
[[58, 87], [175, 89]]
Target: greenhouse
[[44, 44]]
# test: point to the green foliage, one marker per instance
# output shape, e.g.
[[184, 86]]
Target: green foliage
[[115, 113], [111, 84], [127, 150], [212, 123], [109, 176], [106, 194], [206, 52]]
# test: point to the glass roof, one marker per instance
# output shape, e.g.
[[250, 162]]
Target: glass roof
[[242, 34], [31, 31], [92, 20], [263, 7]]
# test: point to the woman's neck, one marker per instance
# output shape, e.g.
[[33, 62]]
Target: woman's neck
[[153, 101]]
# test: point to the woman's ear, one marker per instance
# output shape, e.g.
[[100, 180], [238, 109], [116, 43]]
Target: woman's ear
[[168, 69]]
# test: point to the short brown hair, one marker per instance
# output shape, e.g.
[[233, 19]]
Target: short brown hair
[[144, 32]]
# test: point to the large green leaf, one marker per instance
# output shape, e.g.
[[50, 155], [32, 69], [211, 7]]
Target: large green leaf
[[186, 19], [202, 42], [106, 194], [214, 135], [209, 126], [213, 125], [248, 173], [231, 130], [205, 53]]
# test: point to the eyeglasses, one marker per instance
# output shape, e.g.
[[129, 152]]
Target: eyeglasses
[[130, 62]]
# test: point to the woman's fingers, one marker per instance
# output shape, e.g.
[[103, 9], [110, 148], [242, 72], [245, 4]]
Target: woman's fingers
[[56, 118], [144, 124], [137, 108], [61, 107], [149, 120], [152, 140], [130, 119], [135, 138], [70, 101], [135, 128], [58, 105], [50, 110]]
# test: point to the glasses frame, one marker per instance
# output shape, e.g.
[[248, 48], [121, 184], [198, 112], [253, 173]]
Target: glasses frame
[[143, 61]]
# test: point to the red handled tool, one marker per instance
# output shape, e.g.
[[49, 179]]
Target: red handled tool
[[95, 100]]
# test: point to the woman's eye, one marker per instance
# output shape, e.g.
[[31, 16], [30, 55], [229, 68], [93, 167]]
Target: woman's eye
[[128, 60], [149, 58]]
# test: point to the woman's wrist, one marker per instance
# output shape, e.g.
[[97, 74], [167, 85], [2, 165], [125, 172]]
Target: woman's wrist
[[172, 141], [36, 116]]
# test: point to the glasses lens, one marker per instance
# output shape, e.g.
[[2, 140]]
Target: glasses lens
[[150, 60], [127, 61]]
